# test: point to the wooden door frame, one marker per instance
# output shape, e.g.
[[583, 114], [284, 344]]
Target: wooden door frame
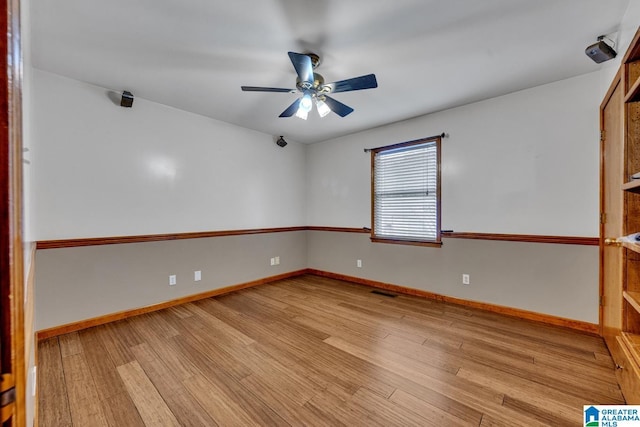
[[12, 335], [617, 80]]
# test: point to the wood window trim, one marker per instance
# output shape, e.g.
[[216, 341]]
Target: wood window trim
[[438, 240], [433, 244]]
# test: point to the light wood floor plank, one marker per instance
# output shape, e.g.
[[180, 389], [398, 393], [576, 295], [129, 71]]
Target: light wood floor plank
[[322, 352], [593, 389], [52, 399], [298, 388], [525, 391], [529, 346], [336, 408], [313, 359], [218, 327], [152, 328], [208, 358], [165, 379], [435, 414], [445, 381], [549, 416], [317, 361], [219, 405], [181, 311], [119, 410], [456, 401], [117, 338], [359, 320], [84, 403], [389, 413], [103, 370], [187, 410], [168, 381], [70, 344], [288, 407], [152, 408]]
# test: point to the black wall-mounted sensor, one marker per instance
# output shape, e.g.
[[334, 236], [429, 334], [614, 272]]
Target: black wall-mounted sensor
[[127, 99], [600, 51], [281, 142]]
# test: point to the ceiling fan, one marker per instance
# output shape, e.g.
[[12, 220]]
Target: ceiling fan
[[315, 90]]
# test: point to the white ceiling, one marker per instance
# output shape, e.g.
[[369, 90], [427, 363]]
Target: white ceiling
[[428, 55]]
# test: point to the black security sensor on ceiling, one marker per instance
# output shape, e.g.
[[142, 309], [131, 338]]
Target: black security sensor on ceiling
[[127, 99], [281, 142], [600, 51]]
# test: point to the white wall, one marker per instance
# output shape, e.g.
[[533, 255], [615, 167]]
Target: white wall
[[103, 170], [523, 163]]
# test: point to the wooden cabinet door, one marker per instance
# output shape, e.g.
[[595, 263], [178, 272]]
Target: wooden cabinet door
[[612, 203]]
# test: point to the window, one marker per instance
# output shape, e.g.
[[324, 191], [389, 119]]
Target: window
[[405, 189]]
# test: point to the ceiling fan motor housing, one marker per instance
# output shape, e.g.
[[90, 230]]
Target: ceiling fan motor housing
[[316, 85], [315, 59]]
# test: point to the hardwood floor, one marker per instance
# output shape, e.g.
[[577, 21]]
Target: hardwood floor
[[322, 352]]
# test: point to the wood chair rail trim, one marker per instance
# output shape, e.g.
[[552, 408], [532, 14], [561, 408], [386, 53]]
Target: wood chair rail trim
[[98, 241], [531, 238]]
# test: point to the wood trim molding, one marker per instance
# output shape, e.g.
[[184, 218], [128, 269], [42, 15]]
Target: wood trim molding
[[533, 238], [634, 51], [363, 230], [96, 241], [612, 87], [108, 318], [508, 311], [406, 242]]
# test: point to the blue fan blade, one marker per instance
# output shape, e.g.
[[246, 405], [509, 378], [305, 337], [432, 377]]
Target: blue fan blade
[[292, 109], [357, 83], [338, 107], [266, 89], [303, 66]]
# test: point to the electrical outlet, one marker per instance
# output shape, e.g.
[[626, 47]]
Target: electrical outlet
[[277, 260], [197, 276], [359, 263], [273, 261], [465, 279], [172, 280]]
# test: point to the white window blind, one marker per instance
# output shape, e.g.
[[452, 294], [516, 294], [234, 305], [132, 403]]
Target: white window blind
[[405, 193]]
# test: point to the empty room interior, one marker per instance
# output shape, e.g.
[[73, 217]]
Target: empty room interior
[[323, 213]]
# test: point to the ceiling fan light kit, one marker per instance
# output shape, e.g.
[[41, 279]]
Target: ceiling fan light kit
[[314, 90], [322, 107]]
